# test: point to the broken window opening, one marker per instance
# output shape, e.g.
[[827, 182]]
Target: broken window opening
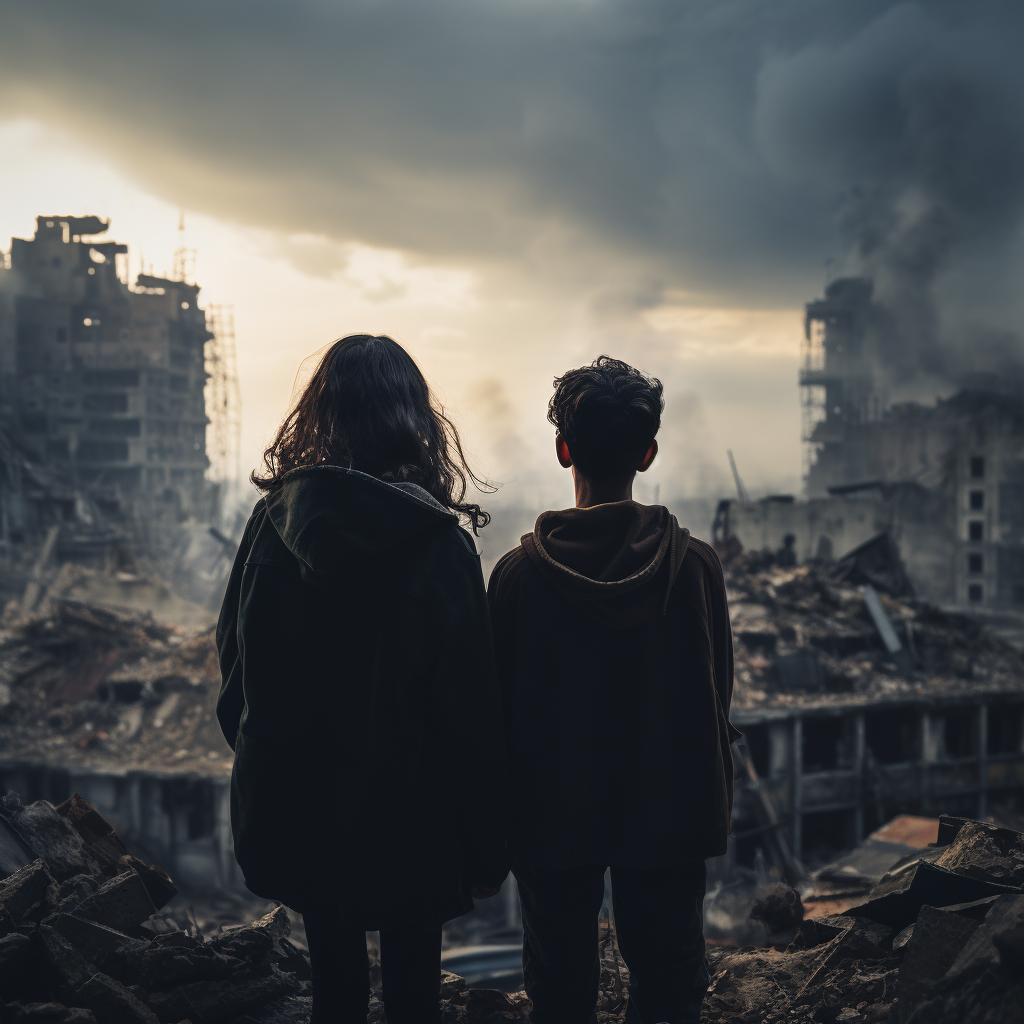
[[827, 745], [1006, 730], [894, 737], [958, 734]]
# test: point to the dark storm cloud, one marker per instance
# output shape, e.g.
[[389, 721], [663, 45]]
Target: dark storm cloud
[[719, 147], [914, 125]]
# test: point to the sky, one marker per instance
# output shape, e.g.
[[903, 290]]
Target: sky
[[510, 188]]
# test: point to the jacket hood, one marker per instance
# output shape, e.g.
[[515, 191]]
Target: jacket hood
[[617, 561], [329, 517]]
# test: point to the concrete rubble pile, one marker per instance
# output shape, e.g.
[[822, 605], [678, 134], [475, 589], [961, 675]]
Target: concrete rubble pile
[[939, 940], [826, 633], [79, 939], [82, 940], [82, 684]]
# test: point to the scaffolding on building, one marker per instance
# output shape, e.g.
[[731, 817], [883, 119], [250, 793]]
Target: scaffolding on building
[[813, 396], [223, 398]]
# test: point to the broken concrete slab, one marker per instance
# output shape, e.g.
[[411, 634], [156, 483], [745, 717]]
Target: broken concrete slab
[[78, 983], [24, 889], [937, 939], [254, 942], [950, 825], [204, 1002], [983, 851], [14, 851], [93, 940], [97, 834], [981, 952], [122, 903], [976, 909], [50, 835], [158, 883], [897, 901], [168, 961]]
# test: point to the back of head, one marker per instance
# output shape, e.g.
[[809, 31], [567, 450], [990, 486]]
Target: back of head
[[368, 407], [608, 414]]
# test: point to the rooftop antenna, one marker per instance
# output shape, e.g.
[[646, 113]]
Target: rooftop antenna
[[184, 258], [741, 491], [828, 270]]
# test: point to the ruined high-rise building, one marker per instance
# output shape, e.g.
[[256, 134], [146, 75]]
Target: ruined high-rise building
[[101, 383], [946, 480]]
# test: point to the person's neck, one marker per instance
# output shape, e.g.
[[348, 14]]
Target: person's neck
[[600, 492]]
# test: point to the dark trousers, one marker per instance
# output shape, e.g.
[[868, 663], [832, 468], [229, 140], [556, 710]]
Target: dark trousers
[[660, 930], [410, 967]]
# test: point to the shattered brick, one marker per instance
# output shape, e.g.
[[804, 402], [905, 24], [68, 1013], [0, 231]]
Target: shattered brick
[[122, 903]]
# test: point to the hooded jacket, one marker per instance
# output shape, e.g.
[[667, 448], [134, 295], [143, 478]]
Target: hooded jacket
[[615, 653], [361, 699]]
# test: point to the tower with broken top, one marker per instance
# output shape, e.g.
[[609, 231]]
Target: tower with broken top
[[101, 384]]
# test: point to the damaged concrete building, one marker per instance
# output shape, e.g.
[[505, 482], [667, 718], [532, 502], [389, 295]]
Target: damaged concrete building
[[946, 480], [101, 386]]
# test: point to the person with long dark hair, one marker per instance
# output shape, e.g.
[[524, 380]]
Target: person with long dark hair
[[359, 691]]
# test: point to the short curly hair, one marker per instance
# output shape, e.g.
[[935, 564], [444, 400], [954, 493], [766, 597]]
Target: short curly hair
[[608, 413]]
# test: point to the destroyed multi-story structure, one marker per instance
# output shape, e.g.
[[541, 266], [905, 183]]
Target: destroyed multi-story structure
[[101, 385], [945, 479]]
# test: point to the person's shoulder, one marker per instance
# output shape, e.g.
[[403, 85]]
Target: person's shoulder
[[706, 555], [509, 568], [701, 566]]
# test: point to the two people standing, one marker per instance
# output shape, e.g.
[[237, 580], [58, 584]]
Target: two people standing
[[403, 738]]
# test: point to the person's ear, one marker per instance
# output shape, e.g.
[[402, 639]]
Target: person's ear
[[649, 456], [562, 451]]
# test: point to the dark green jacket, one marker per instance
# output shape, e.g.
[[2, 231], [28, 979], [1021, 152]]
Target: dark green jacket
[[360, 696]]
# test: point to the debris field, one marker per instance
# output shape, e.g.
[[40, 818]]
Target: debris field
[[82, 684], [805, 635], [939, 939]]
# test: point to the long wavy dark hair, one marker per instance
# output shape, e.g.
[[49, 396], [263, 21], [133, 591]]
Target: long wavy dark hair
[[368, 407]]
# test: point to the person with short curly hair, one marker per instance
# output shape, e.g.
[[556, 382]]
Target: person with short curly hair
[[614, 651]]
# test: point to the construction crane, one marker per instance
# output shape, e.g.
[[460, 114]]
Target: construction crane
[[741, 491]]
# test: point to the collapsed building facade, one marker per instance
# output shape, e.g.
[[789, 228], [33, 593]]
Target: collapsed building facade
[[103, 419], [945, 480]]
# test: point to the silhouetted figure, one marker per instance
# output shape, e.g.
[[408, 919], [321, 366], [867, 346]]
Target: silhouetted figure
[[360, 693], [785, 557], [615, 654]]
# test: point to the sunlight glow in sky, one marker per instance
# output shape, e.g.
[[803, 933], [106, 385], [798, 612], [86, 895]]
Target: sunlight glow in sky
[[490, 351]]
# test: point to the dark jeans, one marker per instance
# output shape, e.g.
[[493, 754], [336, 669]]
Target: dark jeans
[[410, 967], [660, 930]]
